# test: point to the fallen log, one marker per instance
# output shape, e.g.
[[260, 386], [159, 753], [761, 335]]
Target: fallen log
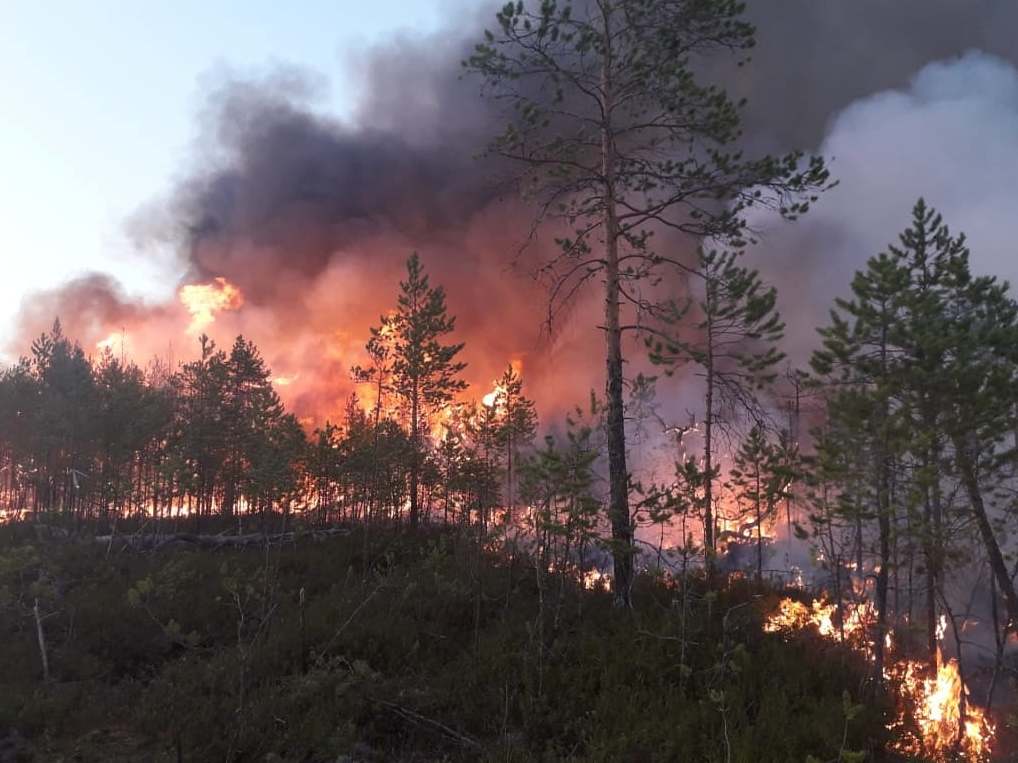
[[159, 541], [416, 719]]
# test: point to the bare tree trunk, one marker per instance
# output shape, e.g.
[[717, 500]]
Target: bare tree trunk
[[42, 642], [509, 474], [883, 468], [759, 533], [709, 543], [415, 467], [1000, 639], [933, 531], [933, 540], [909, 533], [967, 471], [618, 475], [303, 634], [931, 587], [793, 435], [858, 551], [884, 525]]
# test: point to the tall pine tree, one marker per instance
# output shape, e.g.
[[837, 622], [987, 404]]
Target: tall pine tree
[[617, 136], [425, 372]]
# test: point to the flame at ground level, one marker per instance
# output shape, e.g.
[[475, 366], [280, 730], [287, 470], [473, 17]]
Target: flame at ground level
[[935, 705], [946, 721]]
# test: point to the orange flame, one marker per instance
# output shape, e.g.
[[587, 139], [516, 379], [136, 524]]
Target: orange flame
[[492, 397], [936, 705], [594, 579], [495, 398], [112, 342], [440, 423], [205, 300]]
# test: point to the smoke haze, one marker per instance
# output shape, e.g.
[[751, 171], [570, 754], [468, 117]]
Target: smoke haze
[[950, 136], [313, 218]]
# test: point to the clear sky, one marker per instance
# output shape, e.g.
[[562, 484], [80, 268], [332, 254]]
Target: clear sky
[[97, 111]]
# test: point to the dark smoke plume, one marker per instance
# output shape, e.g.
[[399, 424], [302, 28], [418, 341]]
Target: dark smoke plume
[[313, 218]]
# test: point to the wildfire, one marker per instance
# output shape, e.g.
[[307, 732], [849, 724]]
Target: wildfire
[[112, 342], [795, 616], [496, 398], [592, 579], [205, 300], [937, 705], [595, 579], [940, 709], [441, 422], [733, 525]]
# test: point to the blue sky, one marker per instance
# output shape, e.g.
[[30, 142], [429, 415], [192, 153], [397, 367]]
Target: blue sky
[[97, 112]]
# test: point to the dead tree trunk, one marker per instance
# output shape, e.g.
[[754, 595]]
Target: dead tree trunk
[[41, 636]]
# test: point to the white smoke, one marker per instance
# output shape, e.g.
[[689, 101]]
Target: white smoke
[[951, 137]]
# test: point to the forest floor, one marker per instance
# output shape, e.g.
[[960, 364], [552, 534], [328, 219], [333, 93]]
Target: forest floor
[[410, 646]]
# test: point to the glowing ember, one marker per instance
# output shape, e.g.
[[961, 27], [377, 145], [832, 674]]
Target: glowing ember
[[934, 720], [205, 300], [592, 580]]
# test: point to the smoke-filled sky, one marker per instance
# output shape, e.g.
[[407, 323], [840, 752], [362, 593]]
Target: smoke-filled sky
[[303, 155], [99, 103], [949, 135]]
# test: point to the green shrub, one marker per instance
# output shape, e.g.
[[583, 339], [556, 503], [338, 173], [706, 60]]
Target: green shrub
[[424, 649]]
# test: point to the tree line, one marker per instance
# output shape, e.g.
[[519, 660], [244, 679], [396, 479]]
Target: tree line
[[97, 438], [904, 479]]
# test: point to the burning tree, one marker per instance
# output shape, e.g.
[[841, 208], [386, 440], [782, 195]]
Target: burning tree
[[618, 139]]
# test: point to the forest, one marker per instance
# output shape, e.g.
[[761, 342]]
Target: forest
[[819, 568]]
